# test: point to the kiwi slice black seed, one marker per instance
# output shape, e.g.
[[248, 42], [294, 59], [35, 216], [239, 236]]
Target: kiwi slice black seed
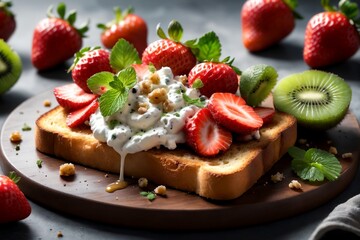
[[10, 67], [256, 83], [318, 99]]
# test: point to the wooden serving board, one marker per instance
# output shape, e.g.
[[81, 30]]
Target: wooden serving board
[[84, 194]]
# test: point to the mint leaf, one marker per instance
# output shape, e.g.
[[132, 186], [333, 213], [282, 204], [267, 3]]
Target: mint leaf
[[123, 55], [99, 82], [206, 48], [315, 164], [114, 99]]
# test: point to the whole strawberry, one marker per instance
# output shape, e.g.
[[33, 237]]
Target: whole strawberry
[[212, 75], [87, 62], [170, 52], [128, 26], [332, 36], [55, 39], [267, 22], [13, 204], [7, 20]]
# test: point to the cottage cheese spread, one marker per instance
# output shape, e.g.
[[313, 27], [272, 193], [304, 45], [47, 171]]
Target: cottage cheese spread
[[129, 131]]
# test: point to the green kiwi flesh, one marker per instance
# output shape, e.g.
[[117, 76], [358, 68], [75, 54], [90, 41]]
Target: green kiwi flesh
[[10, 67], [319, 100], [256, 83]]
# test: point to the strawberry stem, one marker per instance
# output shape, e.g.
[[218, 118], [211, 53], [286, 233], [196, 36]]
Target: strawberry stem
[[14, 177], [292, 4], [175, 31], [5, 5]]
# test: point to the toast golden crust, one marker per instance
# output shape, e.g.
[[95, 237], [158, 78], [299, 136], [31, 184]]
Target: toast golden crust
[[224, 177]]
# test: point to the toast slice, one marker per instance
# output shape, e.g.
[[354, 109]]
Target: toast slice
[[224, 177]]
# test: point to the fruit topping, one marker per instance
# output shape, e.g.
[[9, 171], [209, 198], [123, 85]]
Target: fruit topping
[[7, 20], [256, 83], [231, 112], [72, 97], [55, 39], [319, 100], [87, 62], [170, 52], [265, 113], [79, 116], [128, 26], [204, 136]]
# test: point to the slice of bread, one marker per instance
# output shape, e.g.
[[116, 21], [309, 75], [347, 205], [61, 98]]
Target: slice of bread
[[223, 177]]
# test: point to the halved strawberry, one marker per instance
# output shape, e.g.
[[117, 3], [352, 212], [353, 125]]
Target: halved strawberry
[[141, 69], [265, 113], [72, 97], [81, 115], [204, 136], [231, 112]]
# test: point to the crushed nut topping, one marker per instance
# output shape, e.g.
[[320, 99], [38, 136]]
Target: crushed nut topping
[[47, 103], [142, 108], [145, 87], [333, 150], [278, 177], [294, 184], [168, 106], [157, 96], [67, 169], [15, 137], [160, 190], [154, 78], [142, 182]]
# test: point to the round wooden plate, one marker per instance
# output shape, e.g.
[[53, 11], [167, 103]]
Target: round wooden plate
[[84, 194]]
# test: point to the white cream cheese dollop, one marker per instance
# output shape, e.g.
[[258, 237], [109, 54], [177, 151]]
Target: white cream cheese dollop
[[128, 131]]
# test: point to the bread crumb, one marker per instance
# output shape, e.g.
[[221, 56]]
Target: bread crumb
[[302, 141], [67, 169], [142, 182], [47, 103], [59, 234], [294, 184], [160, 190], [277, 177], [333, 150], [347, 155], [15, 137]]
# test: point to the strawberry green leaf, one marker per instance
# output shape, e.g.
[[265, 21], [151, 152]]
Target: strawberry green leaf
[[197, 83], [61, 9], [206, 48], [71, 18], [350, 9], [315, 164], [14, 177], [123, 55], [160, 32], [99, 82], [175, 31]]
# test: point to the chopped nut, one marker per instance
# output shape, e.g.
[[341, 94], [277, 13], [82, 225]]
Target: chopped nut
[[59, 234], [183, 79], [67, 169], [168, 106], [160, 190], [47, 103], [333, 150], [142, 108], [157, 96], [302, 141], [278, 177], [142, 182], [294, 184], [145, 87], [154, 78], [347, 155], [15, 137]]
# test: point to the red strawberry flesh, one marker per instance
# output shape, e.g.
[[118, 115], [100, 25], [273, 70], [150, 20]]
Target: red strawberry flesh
[[72, 97], [78, 117], [204, 136], [265, 113], [231, 112]]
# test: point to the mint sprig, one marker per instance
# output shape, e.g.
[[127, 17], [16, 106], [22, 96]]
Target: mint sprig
[[206, 48], [114, 89], [314, 164], [199, 102], [123, 55]]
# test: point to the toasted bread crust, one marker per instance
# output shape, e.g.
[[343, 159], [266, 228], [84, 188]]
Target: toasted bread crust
[[224, 177]]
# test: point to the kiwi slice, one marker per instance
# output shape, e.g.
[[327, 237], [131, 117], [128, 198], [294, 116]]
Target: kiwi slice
[[256, 83], [318, 99], [10, 67]]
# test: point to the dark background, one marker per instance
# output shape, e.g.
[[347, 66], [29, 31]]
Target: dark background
[[197, 18]]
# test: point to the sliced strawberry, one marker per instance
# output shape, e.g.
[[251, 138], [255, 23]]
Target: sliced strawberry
[[204, 136], [72, 97], [265, 113], [231, 112], [141, 69], [81, 115]]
